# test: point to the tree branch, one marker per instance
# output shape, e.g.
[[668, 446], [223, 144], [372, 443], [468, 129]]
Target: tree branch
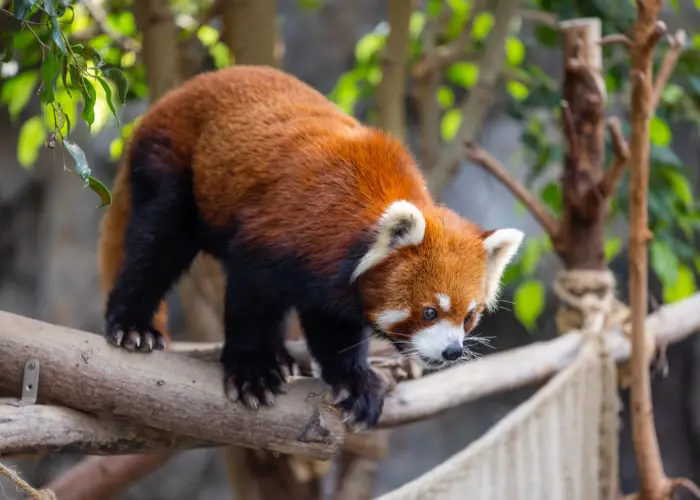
[[24, 429], [302, 421], [613, 175], [477, 104], [392, 88], [676, 44], [482, 158]]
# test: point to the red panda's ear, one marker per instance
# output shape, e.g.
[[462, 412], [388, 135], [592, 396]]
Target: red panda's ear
[[501, 246], [401, 225]]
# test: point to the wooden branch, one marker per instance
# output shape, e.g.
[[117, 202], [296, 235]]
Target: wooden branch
[[477, 104], [616, 39], [44, 429], [614, 173], [392, 88], [409, 402], [104, 478], [654, 485], [676, 44], [482, 158], [163, 390]]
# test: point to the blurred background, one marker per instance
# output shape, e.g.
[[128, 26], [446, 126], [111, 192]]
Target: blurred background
[[484, 70]]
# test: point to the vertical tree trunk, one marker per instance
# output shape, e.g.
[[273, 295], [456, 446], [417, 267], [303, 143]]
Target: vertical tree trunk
[[249, 31]]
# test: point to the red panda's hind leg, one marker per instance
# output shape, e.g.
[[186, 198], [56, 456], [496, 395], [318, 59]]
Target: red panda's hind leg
[[341, 348], [161, 241]]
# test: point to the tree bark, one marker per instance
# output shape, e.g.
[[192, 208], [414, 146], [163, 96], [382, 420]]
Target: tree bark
[[583, 108], [167, 391], [249, 31]]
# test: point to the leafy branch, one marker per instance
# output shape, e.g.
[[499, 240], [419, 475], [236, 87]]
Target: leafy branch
[[65, 67]]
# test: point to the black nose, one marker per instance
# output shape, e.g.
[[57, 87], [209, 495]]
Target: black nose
[[452, 352]]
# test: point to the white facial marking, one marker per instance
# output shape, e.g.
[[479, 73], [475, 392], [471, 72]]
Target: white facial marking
[[501, 246], [472, 305], [402, 224], [444, 301], [430, 342], [386, 319]]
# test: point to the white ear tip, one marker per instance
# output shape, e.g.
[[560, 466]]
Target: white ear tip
[[504, 237]]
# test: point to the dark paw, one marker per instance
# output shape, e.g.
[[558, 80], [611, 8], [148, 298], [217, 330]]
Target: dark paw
[[361, 400], [142, 339], [253, 381]]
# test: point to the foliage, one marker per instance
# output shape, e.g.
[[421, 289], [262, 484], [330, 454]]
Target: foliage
[[56, 72], [533, 98]]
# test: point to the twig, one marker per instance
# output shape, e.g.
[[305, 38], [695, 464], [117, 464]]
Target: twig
[[613, 175], [481, 157], [435, 58], [539, 16], [676, 43], [616, 39], [477, 104], [647, 31]]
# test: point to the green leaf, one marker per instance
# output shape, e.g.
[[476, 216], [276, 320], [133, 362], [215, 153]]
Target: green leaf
[[672, 93], [445, 97], [463, 74], [90, 54], [368, 46], [208, 35], [517, 90], [659, 132], [515, 51], [81, 164], [108, 94], [531, 256], [680, 186], [23, 7], [449, 125], [612, 248], [219, 52], [119, 80], [50, 70], [346, 92], [116, 148], [32, 136], [482, 25], [89, 99], [416, 23], [528, 302], [664, 261], [551, 195], [101, 190], [17, 91], [57, 36], [683, 287]]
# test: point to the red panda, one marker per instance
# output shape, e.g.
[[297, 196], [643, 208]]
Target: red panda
[[307, 209]]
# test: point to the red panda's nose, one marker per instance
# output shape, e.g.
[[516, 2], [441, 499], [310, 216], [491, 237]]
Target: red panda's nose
[[452, 351]]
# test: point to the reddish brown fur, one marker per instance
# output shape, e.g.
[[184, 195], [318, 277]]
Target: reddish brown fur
[[289, 183]]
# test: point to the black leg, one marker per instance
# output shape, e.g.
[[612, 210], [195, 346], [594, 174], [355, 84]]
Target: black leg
[[160, 243], [341, 348], [254, 358]]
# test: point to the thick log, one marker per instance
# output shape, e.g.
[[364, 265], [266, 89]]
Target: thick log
[[163, 390]]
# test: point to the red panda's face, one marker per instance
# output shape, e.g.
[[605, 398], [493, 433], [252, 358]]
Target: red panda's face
[[431, 277]]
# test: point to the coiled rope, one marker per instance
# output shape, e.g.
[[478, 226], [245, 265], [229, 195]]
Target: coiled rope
[[25, 486]]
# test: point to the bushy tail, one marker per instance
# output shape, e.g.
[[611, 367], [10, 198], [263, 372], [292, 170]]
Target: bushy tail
[[110, 246]]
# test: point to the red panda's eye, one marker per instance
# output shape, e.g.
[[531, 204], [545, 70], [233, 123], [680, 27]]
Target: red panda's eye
[[429, 314], [469, 317]]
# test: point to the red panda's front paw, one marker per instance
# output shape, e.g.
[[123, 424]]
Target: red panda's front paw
[[254, 382], [143, 339], [361, 400]]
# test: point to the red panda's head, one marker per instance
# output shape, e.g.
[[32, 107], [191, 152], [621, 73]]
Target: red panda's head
[[428, 276]]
